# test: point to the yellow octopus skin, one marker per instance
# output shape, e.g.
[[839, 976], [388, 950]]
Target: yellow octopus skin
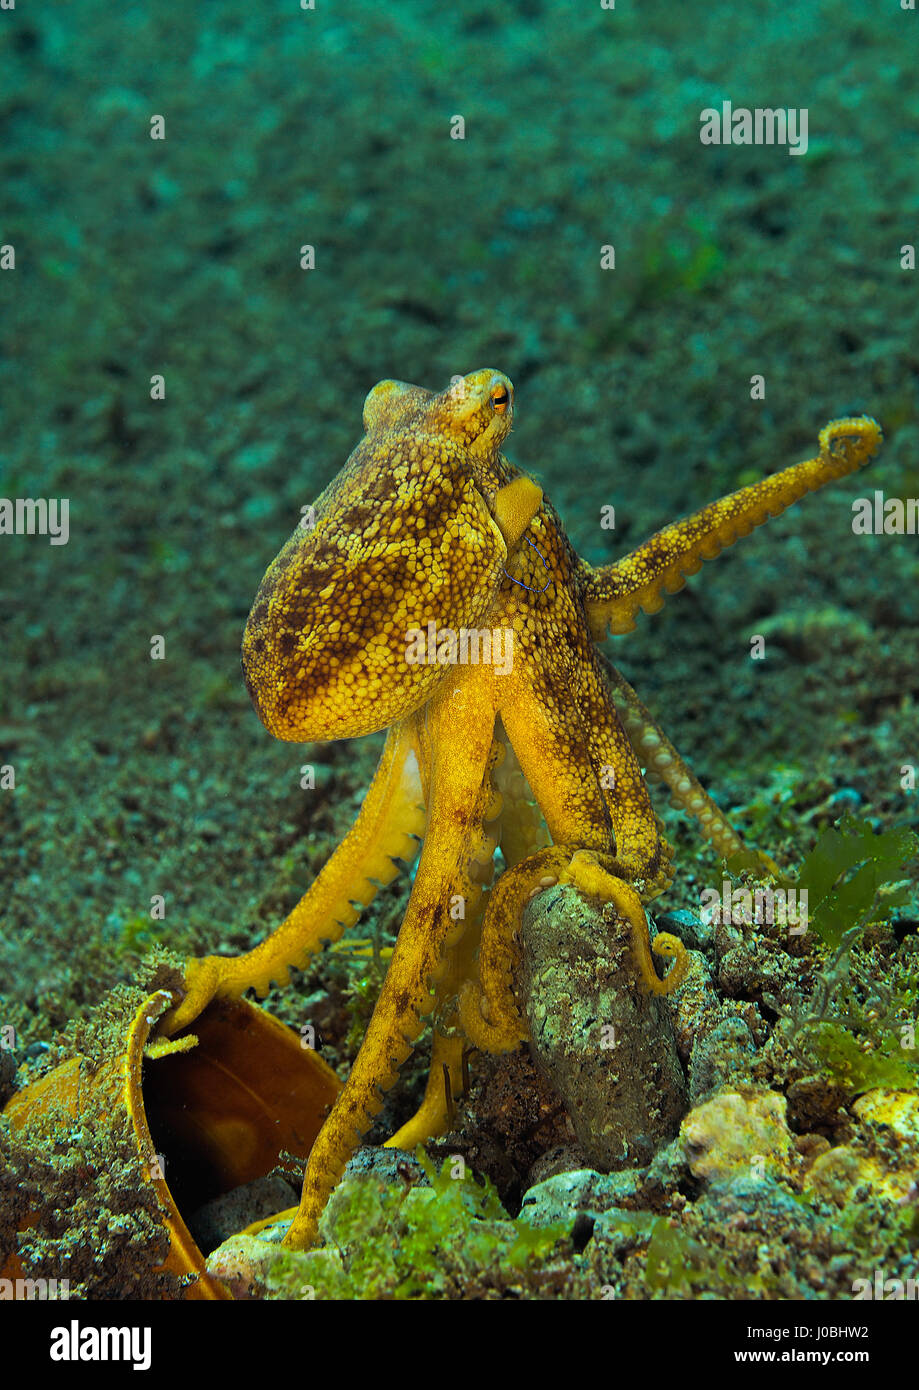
[[429, 523]]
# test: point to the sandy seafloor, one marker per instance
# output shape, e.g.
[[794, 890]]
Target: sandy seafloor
[[434, 256]]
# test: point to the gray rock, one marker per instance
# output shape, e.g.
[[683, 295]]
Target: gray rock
[[392, 1166], [694, 934], [606, 1046], [721, 1054], [225, 1216], [568, 1196]]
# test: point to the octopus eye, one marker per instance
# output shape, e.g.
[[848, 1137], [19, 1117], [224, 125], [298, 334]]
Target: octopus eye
[[500, 399]]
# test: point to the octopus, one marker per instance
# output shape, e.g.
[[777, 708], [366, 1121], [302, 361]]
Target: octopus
[[432, 592]]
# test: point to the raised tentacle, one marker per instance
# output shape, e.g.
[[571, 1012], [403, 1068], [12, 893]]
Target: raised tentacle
[[614, 593]]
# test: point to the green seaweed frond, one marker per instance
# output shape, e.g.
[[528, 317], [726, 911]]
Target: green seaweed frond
[[861, 1037], [848, 876], [853, 877]]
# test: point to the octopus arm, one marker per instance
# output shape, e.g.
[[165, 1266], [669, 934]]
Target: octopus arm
[[387, 828], [614, 593]]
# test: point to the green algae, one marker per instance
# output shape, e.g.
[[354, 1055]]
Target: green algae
[[841, 1054], [676, 1266], [440, 1240], [139, 934], [93, 1218]]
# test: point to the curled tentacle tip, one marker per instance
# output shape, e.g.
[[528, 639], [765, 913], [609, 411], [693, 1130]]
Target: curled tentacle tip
[[860, 433], [671, 947]]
